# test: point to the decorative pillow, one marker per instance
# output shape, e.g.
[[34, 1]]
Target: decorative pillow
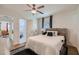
[[55, 33], [49, 34], [52, 33], [44, 33]]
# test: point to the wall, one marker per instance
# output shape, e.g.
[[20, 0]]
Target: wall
[[39, 25], [16, 31], [32, 27], [69, 19]]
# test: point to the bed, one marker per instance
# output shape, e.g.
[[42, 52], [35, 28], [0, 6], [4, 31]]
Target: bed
[[47, 45]]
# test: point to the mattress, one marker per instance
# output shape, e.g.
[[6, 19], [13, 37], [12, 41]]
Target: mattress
[[45, 45]]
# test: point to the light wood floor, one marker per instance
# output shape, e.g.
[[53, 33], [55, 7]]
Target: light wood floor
[[72, 50]]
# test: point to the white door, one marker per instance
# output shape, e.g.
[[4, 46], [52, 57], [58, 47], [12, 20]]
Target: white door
[[22, 31]]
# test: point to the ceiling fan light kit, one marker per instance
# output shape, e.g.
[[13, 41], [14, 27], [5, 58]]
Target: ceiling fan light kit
[[35, 9]]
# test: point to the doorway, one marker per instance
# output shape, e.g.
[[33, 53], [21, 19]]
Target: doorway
[[22, 31]]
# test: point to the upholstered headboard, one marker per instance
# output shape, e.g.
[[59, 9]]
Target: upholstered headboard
[[61, 31]]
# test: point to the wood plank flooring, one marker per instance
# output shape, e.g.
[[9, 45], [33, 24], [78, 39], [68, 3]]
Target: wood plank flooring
[[71, 51]]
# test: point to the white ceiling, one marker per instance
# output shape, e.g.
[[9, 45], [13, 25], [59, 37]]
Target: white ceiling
[[47, 10]]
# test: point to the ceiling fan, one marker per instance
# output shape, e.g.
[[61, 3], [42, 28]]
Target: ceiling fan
[[35, 9]]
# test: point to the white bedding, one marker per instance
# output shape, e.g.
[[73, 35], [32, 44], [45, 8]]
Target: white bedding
[[45, 45]]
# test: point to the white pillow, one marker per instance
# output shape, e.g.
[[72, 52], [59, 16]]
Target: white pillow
[[55, 33]]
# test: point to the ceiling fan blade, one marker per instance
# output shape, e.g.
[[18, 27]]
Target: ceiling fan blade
[[40, 12], [40, 7], [28, 5]]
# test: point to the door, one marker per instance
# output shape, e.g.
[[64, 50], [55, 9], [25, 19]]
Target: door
[[22, 31]]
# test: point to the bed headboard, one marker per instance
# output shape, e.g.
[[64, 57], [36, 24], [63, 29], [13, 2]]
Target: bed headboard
[[61, 31]]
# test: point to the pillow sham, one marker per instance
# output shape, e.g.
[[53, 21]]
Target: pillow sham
[[44, 33], [52, 33], [49, 34], [55, 33]]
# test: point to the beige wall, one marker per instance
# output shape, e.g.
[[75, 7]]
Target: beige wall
[[16, 31], [69, 19], [32, 27], [29, 27]]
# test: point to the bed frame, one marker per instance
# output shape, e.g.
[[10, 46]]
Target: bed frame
[[63, 32]]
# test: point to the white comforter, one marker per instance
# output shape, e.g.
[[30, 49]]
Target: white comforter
[[45, 45]]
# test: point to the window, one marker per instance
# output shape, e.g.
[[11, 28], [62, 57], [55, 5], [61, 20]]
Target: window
[[46, 23], [34, 24], [22, 30]]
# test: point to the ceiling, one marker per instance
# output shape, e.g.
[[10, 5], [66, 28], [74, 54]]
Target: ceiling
[[19, 9]]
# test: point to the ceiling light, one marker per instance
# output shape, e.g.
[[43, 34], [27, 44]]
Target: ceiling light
[[33, 11]]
